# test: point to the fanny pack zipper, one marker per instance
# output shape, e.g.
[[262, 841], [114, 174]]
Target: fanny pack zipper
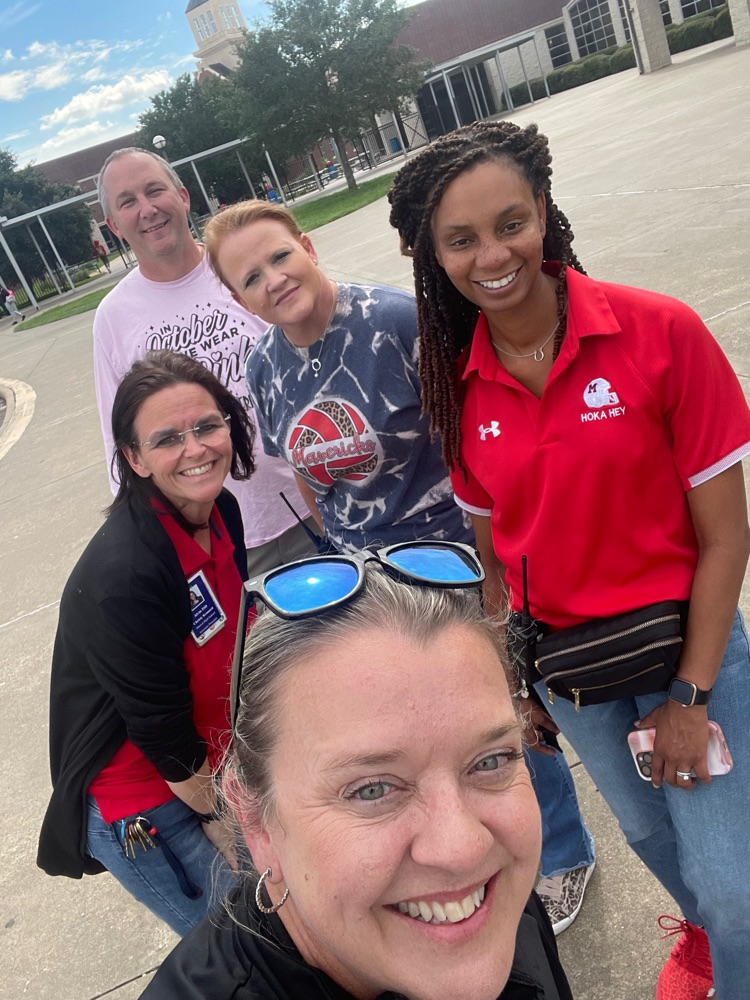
[[576, 692], [606, 639]]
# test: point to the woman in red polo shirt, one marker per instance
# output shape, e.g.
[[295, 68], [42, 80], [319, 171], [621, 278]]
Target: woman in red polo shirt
[[142, 658], [597, 431]]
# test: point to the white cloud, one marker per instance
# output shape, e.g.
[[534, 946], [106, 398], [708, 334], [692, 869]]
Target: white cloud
[[16, 13], [6, 56], [69, 139], [52, 77], [93, 75], [107, 99], [13, 136], [15, 85]]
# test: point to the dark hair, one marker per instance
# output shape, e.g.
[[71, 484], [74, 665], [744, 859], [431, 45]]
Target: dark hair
[[446, 319], [161, 370]]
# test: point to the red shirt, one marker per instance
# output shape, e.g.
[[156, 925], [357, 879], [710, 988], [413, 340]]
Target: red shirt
[[130, 783], [589, 482]]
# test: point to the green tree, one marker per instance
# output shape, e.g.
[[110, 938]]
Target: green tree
[[190, 115], [322, 68], [24, 190]]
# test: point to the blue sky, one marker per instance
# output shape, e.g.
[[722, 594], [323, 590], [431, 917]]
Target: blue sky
[[77, 72]]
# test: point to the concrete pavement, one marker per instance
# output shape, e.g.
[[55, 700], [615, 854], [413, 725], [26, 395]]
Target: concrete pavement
[[654, 173]]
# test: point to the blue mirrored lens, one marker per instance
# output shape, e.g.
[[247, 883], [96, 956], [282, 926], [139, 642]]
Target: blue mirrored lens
[[434, 564], [311, 586]]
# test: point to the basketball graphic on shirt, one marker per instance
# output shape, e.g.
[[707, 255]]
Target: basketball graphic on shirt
[[330, 441], [599, 393]]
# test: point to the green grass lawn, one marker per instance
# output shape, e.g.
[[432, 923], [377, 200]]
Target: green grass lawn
[[309, 216], [72, 308], [330, 207]]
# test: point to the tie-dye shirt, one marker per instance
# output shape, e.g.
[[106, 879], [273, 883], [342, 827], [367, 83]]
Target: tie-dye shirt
[[355, 431]]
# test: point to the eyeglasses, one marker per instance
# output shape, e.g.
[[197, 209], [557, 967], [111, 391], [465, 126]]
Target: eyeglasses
[[207, 432], [314, 586]]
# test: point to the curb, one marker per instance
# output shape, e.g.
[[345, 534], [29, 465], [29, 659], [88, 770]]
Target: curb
[[20, 401]]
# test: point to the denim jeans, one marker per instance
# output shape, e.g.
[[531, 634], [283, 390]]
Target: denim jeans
[[696, 843], [149, 877], [566, 841]]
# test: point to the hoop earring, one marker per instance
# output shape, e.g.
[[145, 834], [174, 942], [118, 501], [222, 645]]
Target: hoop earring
[[259, 903]]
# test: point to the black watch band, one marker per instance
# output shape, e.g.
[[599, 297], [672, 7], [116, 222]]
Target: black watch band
[[687, 694]]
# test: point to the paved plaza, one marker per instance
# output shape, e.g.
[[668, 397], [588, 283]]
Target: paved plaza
[[654, 173]]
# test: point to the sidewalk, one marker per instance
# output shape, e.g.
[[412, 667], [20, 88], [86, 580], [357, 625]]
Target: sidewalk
[[654, 173]]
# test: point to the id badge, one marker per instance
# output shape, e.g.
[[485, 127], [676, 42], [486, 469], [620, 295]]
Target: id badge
[[208, 615]]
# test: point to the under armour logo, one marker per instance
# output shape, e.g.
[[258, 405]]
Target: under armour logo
[[493, 429]]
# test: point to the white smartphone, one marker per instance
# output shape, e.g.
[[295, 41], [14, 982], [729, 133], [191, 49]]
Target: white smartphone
[[641, 743]]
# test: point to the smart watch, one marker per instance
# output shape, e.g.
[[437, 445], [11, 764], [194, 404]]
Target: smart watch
[[686, 693]]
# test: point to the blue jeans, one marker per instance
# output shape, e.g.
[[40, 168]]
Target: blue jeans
[[566, 841], [696, 843], [149, 877]]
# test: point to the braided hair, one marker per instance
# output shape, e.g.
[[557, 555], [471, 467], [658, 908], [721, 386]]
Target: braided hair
[[446, 319]]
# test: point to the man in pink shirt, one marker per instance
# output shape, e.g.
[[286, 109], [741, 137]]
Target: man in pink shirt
[[173, 301]]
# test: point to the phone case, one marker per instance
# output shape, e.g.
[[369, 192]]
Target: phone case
[[641, 743]]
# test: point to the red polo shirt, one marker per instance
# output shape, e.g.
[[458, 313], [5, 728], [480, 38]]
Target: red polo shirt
[[589, 481], [130, 783]]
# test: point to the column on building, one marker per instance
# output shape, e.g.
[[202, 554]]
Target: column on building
[[652, 38], [675, 10], [617, 26], [739, 11], [574, 52]]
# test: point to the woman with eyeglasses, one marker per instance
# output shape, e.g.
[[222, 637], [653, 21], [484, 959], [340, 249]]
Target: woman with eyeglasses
[[141, 664], [382, 793]]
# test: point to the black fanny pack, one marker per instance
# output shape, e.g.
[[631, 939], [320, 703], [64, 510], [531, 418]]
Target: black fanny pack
[[607, 658]]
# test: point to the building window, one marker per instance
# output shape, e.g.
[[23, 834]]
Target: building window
[[592, 26], [212, 22], [199, 29], [692, 7], [229, 16], [666, 13], [557, 43]]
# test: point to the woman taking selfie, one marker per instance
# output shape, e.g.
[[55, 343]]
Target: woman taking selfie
[[384, 798], [141, 665], [596, 434]]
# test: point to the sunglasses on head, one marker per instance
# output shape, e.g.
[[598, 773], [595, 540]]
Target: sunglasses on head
[[319, 584]]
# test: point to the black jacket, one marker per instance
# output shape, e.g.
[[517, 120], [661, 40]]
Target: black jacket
[[118, 655], [222, 960]]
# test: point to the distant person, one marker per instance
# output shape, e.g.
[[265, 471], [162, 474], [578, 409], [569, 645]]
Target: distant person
[[596, 433], [379, 782], [141, 676], [101, 253], [172, 300], [10, 305], [338, 394]]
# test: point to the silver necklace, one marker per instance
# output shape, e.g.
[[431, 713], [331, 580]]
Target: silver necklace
[[562, 309], [315, 362], [537, 354]]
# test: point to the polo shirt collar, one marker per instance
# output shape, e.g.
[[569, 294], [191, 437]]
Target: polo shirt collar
[[589, 315]]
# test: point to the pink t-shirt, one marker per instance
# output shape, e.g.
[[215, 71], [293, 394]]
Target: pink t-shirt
[[195, 315]]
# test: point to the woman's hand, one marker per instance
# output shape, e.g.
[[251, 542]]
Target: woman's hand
[[680, 744], [221, 833]]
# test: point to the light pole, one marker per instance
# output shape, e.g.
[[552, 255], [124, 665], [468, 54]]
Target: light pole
[[159, 144]]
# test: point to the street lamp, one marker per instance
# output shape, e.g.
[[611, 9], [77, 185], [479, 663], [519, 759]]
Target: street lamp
[[159, 143]]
